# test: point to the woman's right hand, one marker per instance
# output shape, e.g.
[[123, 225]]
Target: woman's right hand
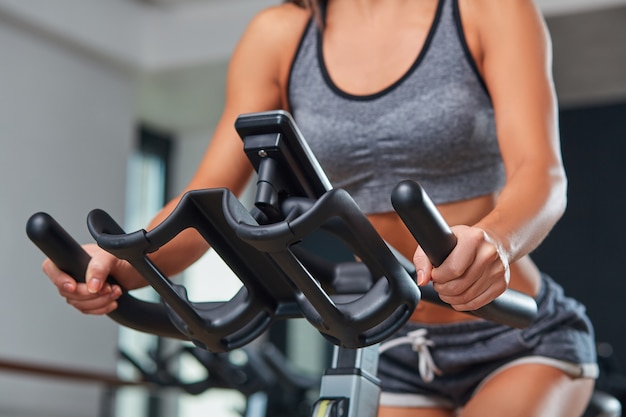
[[95, 296]]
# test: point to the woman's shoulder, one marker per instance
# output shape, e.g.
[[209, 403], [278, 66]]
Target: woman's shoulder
[[271, 39], [264, 53], [506, 23], [275, 31], [498, 12], [283, 21]]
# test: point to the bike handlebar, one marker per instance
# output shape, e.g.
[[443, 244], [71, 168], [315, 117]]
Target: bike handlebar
[[263, 252]]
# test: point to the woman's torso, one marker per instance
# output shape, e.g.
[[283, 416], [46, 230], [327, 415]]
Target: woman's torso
[[364, 54]]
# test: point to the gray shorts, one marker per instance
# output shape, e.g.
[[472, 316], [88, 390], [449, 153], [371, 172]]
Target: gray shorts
[[458, 357]]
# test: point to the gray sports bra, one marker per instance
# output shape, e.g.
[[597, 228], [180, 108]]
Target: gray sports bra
[[434, 125]]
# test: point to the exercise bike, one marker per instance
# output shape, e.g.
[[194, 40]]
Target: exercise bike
[[354, 305]]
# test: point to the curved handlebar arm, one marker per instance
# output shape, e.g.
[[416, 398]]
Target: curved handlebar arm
[[430, 230], [70, 257], [361, 319], [216, 326]]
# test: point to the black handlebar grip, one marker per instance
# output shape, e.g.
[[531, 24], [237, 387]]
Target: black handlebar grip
[[58, 245], [72, 259], [423, 220], [433, 234]]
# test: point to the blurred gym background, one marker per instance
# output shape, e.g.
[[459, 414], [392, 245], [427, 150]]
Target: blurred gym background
[[109, 104]]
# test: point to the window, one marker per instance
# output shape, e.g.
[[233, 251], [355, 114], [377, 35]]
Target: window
[[146, 192]]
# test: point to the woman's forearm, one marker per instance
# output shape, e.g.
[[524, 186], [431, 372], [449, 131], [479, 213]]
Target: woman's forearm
[[526, 210]]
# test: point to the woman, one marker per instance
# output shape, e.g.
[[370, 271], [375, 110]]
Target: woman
[[456, 94]]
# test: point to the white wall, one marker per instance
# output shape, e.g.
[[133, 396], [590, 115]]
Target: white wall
[[561, 7], [72, 86], [65, 130], [136, 35]]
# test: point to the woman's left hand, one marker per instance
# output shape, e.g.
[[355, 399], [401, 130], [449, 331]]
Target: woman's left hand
[[473, 275]]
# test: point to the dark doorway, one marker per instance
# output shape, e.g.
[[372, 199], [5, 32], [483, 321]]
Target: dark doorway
[[586, 252]]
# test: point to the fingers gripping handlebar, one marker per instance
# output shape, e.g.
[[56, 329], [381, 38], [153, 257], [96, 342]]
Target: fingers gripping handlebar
[[216, 326], [70, 257], [430, 230], [209, 325]]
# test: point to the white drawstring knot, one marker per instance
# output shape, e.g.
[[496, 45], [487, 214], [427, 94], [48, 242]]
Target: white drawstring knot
[[420, 344]]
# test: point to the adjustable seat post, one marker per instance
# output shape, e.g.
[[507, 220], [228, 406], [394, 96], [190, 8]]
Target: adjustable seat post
[[350, 387]]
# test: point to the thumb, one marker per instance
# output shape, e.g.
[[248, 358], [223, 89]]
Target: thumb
[[98, 270], [423, 267]]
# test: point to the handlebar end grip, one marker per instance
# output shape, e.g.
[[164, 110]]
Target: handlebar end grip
[[58, 245], [71, 258], [512, 308], [423, 220]]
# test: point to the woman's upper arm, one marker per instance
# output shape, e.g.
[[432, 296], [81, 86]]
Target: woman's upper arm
[[517, 68], [254, 83], [515, 61]]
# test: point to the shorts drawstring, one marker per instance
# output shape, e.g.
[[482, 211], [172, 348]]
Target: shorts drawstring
[[420, 344]]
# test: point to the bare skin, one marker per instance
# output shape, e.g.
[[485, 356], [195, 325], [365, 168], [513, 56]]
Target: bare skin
[[509, 44]]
